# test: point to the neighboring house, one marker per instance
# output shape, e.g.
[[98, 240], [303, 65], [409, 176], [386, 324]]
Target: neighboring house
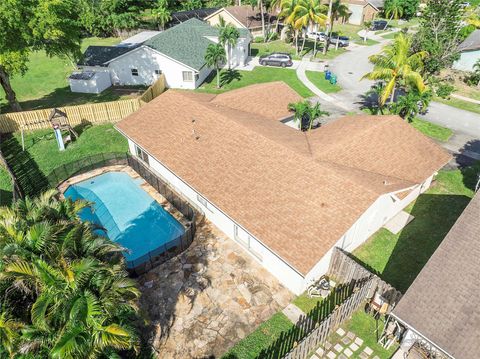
[[287, 197], [243, 17], [363, 10], [182, 16], [178, 53], [469, 52], [440, 310]]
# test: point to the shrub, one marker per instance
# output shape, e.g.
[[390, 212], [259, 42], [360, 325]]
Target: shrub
[[273, 36], [258, 39]]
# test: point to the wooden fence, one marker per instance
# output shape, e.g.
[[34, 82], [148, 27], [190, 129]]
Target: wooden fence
[[349, 273], [112, 111]]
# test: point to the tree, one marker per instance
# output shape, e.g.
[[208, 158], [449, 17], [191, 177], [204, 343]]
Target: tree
[[31, 25], [228, 37], [393, 10], [307, 13], [409, 105], [161, 14], [407, 8], [439, 33], [288, 13], [214, 57], [260, 5], [339, 10], [366, 27], [398, 66], [305, 114], [67, 293]]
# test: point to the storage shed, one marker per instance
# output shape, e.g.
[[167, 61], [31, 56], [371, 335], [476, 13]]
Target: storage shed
[[89, 81]]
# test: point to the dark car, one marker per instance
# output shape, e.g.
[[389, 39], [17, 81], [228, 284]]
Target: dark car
[[276, 59], [379, 25]]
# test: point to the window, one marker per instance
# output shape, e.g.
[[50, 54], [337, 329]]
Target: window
[[158, 72], [247, 241], [134, 72], [204, 203], [141, 154], [187, 76]]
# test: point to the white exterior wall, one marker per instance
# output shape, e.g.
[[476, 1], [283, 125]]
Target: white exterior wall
[[467, 60], [282, 271], [380, 212], [357, 14], [99, 82]]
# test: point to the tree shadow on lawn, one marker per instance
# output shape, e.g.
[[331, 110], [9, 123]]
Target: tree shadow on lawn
[[226, 77], [63, 96], [30, 177], [434, 215]]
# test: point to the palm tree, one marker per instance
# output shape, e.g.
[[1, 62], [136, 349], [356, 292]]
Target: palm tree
[[366, 27], [288, 13], [307, 13], [397, 66], [305, 114], [214, 57], [229, 37], [71, 281], [394, 10], [259, 4], [408, 106], [161, 14], [339, 9]]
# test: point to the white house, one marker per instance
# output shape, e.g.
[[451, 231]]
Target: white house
[[285, 196], [178, 53], [469, 52]]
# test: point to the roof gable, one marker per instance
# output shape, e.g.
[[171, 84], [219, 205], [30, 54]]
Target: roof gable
[[101, 55]]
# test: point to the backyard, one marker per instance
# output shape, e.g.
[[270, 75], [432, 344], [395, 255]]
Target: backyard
[[45, 84], [41, 155]]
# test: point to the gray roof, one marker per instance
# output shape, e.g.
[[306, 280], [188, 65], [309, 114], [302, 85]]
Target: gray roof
[[99, 55], [187, 42], [443, 302], [379, 4], [472, 42]]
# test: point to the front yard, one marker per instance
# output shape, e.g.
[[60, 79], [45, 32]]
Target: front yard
[[399, 258], [45, 84], [234, 79]]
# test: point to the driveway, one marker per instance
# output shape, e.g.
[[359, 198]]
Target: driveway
[[350, 68], [203, 301]]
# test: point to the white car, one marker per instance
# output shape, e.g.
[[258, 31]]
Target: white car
[[320, 36]]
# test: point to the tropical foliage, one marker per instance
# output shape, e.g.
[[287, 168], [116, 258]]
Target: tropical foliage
[[409, 105], [397, 66], [161, 14], [305, 114], [403, 8], [228, 37], [64, 291], [214, 57]]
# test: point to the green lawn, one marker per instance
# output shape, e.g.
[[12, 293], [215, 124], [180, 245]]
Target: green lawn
[[318, 79], [464, 105], [390, 36], [368, 329], [259, 49], [5, 187], [42, 156], [352, 32], [432, 130], [45, 84], [233, 79], [266, 340], [399, 258]]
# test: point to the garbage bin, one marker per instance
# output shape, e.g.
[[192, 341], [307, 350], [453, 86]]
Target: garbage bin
[[328, 74], [333, 79]]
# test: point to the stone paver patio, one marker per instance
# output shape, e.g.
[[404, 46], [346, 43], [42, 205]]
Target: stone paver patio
[[203, 301]]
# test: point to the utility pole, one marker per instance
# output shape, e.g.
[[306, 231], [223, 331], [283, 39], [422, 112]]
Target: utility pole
[[329, 26]]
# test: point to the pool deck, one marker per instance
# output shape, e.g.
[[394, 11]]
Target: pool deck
[[200, 303]]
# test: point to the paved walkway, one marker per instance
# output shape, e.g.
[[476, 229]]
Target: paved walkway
[[467, 99], [206, 299]]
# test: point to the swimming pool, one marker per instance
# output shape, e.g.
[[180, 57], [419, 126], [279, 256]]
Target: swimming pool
[[130, 215]]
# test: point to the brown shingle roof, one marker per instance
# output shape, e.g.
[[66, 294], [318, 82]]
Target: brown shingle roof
[[261, 172], [443, 302], [248, 17]]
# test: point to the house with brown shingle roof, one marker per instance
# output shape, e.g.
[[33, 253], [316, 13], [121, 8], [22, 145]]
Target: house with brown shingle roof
[[440, 310], [286, 196]]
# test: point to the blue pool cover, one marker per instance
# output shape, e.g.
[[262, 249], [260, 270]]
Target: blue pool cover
[[129, 214]]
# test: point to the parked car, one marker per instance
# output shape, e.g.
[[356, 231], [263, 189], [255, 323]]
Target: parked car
[[379, 25], [343, 41], [276, 59], [320, 36]]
